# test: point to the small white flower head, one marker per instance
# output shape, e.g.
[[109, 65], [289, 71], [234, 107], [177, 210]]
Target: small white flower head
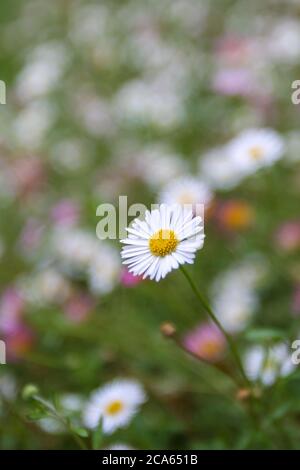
[[186, 190], [255, 148], [234, 297], [268, 364], [105, 269], [45, 287], [115, 404], [218, 169], [167, 238], [74, 249], [158, 165]]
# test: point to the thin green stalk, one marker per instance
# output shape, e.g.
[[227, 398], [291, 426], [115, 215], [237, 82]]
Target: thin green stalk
[[80, 442], [213, 317]]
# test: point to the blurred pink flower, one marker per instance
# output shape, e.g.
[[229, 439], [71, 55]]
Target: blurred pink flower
[[234, 50], [19, 341], [65, 212], [31, 235], [205, 341], [287, 236], [11, 308], [129, 280], [234, 81], [28, 175], [78, 307]]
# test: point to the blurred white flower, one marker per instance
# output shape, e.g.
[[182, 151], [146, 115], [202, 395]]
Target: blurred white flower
[[255, 148], [51, 425], [168, 238], [88, 24], [32, 124], [217, 168], [157, 165], [69, 155], [234, 297], [115, 404], [293, 146], [45, 287], [283, 42], [153, 102], [104, 269], [42, 71], [119, 446], [186, 190], [95, 114], [71, 402], [74, 249], [268, 364], [8, 387]]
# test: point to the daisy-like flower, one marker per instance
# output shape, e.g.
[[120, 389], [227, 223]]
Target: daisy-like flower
[[219, 170], [167, 238], [186, 190], [115, 404], [267, 365], [255, 148]]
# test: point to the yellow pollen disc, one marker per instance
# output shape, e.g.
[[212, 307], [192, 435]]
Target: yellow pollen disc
[[114, 407], [209, 348], [163, 243], [256, 152]]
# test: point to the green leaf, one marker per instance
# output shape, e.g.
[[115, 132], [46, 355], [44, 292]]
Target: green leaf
[[36, 415], [81, 432], [97, 436], [264, 335]]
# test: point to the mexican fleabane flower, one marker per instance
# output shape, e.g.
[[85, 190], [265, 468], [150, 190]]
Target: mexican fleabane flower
[[114, 405], [256, 148], [186, 190], [167, 238]]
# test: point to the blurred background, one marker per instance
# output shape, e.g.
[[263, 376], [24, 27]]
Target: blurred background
[[146, 99]]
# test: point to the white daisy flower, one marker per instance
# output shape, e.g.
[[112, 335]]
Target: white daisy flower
[[186, 190], [268, 364], [255, 148], [104, 270], [114, 404], [169, 237]]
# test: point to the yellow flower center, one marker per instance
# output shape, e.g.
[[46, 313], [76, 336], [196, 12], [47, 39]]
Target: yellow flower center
[[186, 198], [114, 407], [256, 152], [209, 349], [163, 243]]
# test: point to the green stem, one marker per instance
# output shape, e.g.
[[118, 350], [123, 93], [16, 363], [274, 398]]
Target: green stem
[[213, 317], [63, 420]]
